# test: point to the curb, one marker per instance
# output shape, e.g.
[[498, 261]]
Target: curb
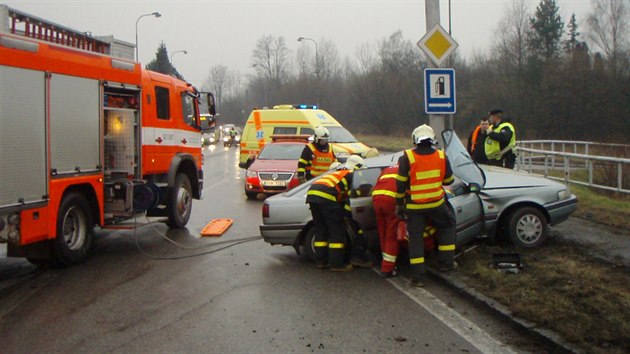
[[559, 344]]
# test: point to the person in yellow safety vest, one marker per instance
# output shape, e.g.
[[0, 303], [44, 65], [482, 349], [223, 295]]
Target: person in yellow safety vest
[[501, 141], [316, 156], [421, 174], [326, 198], [384, 201]]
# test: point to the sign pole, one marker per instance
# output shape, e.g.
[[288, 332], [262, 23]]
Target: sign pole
[[432, 11]]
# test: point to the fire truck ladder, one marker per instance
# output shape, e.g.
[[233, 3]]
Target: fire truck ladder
[[23, 24]]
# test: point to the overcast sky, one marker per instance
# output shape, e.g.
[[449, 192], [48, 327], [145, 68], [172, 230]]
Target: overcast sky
[[225, 32]]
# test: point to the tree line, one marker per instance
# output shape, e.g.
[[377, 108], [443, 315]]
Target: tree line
[[552, 79]]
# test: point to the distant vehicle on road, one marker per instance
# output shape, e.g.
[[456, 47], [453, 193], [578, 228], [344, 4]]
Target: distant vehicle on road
[[274, 170]]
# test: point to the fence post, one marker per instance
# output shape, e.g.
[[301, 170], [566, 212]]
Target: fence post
[[567, 166], [553, 158], [589, 164], [619, 177], [586, 153]]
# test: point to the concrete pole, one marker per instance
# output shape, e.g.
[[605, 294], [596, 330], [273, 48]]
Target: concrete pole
[[432, 12]]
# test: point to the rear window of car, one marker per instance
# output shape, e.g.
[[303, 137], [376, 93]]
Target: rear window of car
[[281, 152]]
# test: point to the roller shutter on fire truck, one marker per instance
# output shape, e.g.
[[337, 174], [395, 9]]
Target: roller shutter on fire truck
[[23, 129], [74, 125]]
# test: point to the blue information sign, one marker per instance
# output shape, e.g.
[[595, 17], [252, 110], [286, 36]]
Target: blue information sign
[[439, 91]]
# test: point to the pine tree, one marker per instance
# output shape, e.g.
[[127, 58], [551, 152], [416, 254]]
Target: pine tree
[[546, 30], [162, 64], [572, 42]]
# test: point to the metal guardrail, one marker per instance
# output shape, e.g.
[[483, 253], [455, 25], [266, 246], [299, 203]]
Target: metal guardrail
[[609, 169]]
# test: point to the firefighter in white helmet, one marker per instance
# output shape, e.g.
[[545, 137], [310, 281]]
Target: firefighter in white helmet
[[316, 156], [327, 199], [421, 174]]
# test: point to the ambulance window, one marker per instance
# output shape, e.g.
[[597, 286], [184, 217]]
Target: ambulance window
[[161, 103], [308, 131], [188, 109], [284, 130]]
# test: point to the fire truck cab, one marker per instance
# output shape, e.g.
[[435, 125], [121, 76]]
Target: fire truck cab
[[87, 139]]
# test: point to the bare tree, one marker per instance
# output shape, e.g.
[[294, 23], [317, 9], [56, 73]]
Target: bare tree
[[609, 24], [219, 81], [512, 35], [270, 58]]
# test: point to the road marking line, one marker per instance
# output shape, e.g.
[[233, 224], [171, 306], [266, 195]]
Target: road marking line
[[476, 336]]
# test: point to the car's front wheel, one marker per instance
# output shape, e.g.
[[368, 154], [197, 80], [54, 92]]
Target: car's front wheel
[[527, 227]]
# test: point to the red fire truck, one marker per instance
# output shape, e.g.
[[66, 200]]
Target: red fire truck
[[88, 139]]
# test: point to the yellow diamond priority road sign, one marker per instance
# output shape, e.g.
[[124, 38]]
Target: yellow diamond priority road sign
[[437, 44]]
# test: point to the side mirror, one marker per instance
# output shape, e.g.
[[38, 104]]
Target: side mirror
[[250, 161]]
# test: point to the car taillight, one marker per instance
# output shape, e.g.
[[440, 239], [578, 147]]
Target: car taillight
[[265, 210]]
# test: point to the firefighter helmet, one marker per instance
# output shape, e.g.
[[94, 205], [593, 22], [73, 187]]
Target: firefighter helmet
[[421, 133], [321, 133], [335, 165], [354, 162]]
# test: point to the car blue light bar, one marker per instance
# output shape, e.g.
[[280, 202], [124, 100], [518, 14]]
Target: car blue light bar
[[305, 106]]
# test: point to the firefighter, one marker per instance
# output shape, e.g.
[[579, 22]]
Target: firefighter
[[384, 201], [501, 141], [326, 198], [421, 174], [316, 156]]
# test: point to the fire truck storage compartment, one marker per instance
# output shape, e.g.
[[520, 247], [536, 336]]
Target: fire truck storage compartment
[[23, 174], [121, 131], [75, 129]]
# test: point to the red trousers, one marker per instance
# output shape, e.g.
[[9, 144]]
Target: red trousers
[[387, 223]]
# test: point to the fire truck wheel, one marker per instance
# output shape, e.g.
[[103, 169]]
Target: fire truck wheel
[[180, 202], [74, 231]]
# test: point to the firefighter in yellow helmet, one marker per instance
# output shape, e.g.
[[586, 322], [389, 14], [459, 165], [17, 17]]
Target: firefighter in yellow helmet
[[316, 156], [421, 174], [326, 198]]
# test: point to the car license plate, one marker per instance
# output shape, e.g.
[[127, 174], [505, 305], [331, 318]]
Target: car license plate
[[274, 183]]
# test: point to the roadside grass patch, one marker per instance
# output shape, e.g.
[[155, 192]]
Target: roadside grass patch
[[605, 207], [560, 288]]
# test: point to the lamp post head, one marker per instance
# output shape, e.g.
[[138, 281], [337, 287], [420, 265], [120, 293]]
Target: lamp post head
[[157, 14], [185, 52], [300, 39]]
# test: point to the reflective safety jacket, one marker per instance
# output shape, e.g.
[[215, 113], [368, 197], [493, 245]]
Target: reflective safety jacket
[[385, 188], [314, 162], [426, 175], [493, 147], [333, 187]]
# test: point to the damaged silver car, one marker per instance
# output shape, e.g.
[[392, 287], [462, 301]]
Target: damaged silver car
[[488, 202]]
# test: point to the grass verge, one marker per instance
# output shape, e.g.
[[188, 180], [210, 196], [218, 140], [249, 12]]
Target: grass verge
[[560, 288]]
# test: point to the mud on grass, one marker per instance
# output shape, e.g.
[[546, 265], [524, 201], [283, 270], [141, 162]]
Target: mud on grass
[[560, 288]]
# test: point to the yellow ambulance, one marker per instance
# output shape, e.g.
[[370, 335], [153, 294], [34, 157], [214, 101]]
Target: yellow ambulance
[[297, 119]]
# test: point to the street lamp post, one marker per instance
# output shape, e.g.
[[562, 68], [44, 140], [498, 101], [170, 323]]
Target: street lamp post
[[156, 14], [175, 52], [316, 63]]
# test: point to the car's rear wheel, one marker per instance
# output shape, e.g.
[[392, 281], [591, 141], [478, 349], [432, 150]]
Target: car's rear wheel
[[308, 244], [527, 227]]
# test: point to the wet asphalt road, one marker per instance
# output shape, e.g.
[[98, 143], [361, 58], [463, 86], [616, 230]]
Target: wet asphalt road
[[132, 296]]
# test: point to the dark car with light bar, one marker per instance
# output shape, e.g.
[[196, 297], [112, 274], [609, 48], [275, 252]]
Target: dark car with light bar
[[274, 169]]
